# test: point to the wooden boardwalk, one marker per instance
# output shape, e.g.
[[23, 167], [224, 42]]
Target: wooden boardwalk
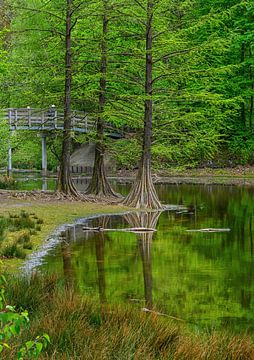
[[46, 120]]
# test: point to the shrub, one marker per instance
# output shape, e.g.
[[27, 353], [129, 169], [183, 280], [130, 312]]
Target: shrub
[[11, 324]]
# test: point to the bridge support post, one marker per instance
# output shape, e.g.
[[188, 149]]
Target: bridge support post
[[44, 154], [9, 159], [9, 166]]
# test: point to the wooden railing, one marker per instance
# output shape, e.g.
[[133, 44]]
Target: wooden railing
[[51, 119]]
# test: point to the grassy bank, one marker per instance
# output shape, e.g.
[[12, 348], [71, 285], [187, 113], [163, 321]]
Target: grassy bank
[[80, 329], [53, 214], [237, 172]]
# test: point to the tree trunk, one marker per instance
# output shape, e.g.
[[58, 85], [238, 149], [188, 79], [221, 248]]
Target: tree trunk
[[65, 183], [243, 111], [99, 184], [252, 90], [143, 193]]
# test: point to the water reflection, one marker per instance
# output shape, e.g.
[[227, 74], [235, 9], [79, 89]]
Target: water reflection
[[34, 182], [44, 184], [68, 271], [206, 278], [145, 220], [99, 250]]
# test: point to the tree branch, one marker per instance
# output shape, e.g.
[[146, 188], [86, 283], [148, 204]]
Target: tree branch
[[172, 54]]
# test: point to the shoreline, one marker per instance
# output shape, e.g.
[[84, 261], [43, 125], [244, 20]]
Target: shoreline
[[239, 176], [35, 258], [55, 215]]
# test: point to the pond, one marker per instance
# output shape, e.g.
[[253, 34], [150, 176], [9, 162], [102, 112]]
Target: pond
[[204, 278]]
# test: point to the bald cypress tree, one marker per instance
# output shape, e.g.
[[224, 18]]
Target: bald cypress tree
[[65, 183], [99, 184], [143, 193]]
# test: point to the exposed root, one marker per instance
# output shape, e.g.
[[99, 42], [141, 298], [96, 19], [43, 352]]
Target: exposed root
[[51, 196], [66, 186], [47, 196], [143, 193]]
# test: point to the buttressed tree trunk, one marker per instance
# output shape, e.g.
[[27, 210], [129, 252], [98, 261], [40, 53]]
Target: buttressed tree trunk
[[65, 183], [99, 184], [143, 193]]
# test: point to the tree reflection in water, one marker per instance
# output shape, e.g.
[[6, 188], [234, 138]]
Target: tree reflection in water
[[100, 239], [68, 270], [146, 220]]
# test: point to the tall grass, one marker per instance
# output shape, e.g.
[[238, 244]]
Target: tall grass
[[80, 329]]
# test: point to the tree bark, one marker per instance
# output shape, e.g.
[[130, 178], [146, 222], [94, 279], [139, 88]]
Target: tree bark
[[243, 111], [143, 193], [99, 184], [65, 183], [252, 90]]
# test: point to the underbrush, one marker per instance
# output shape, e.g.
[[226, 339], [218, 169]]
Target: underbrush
[[80, 329], [15, 234]]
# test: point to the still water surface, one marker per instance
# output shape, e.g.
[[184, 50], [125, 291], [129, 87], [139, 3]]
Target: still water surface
[[206, 279]]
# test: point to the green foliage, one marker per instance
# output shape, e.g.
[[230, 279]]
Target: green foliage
[[241, 147], [11, 325], [27, 151], [126, 153], [4, 142], [203, 75]]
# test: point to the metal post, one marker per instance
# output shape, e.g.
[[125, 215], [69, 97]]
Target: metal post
[[44, 154]]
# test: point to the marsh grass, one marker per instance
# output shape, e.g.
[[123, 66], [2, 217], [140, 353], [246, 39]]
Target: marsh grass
[[7, 182], [81, 329], [15, 234], [12, 250]]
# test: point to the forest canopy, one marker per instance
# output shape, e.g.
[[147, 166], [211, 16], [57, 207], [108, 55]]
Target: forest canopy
[[203, 83]]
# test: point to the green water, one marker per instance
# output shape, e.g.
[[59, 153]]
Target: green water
[[206, 279]]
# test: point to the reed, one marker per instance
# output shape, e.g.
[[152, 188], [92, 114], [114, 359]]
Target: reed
[[81, 329]]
